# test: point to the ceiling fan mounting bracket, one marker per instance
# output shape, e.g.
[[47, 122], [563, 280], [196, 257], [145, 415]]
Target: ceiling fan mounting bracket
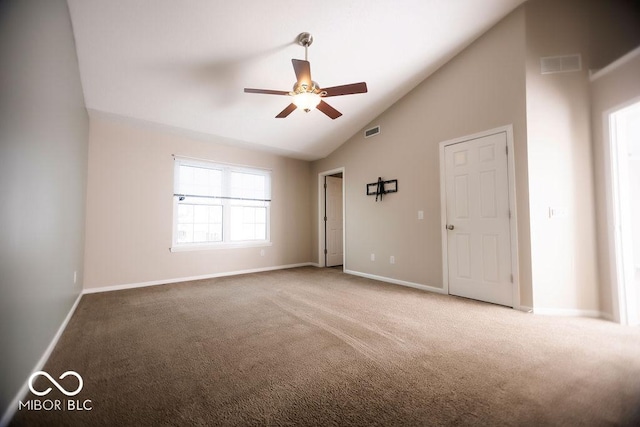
[[305, 39]]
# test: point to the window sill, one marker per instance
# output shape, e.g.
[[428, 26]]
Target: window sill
[[212, 246]]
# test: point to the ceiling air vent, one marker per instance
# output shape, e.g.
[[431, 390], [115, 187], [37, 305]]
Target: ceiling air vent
[[372, 132], [560, 64]]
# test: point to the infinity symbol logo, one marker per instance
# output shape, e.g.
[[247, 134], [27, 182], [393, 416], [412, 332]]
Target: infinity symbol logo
[[58, 386]]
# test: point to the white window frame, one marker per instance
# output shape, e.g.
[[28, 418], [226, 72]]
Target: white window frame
[[225, 200]]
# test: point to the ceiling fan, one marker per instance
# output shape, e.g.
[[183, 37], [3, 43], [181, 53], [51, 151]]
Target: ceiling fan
[[306, 93]]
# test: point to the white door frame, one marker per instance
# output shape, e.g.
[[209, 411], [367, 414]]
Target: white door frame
[[322, 260], [513, 221], [614, 236]]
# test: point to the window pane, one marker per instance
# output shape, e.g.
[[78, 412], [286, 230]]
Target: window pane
[[261, 216], [236, 223], [185, 233], [199, 223], [201, 214], [249, 215], [248, 223], [261, 232], [215, 232], [215, 215], [200, 232], [248, 232], [185, 214]]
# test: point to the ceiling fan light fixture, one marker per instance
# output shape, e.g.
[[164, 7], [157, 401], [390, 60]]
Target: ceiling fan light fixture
[[306, 100]]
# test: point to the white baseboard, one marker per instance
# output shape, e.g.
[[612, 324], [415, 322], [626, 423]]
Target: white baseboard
[[13, 406], [191, 278], [608, 316], [398, 282], [570, 312]]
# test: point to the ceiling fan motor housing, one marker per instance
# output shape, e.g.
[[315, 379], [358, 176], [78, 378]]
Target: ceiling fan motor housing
[[304, 87]]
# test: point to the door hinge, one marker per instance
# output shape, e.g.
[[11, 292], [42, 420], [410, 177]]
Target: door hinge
[[325, 185], [506, 150], [325, 252], [325, 219], [509, 213], [510, 275]]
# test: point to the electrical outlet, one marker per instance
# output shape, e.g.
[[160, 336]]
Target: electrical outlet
[[373, 257], [392, 259], [261, 252], [75, 277], [420, 214]]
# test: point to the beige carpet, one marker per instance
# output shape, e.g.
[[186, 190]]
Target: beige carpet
[[315, 346]]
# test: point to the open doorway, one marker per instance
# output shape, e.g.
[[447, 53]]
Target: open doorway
[[331, 215], [624, 140]]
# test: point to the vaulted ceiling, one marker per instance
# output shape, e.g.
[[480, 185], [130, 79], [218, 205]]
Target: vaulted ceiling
[[184, 64]]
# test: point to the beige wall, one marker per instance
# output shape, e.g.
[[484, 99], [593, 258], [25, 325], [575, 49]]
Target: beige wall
[[43, 166], [564, 263], [130, 207], [564, 250], [609, 92], [480, 89]]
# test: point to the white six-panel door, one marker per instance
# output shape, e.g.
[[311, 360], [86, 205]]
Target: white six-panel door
[[477, 219]]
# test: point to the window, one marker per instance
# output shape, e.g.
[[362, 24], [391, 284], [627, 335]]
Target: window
[[219, 205]]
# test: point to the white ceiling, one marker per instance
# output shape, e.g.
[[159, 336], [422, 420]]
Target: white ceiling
[[184, 64]]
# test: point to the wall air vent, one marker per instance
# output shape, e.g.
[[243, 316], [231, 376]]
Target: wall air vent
[[372, 132], [560, 64]]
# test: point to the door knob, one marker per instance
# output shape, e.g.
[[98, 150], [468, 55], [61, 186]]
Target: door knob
[[450, 227]]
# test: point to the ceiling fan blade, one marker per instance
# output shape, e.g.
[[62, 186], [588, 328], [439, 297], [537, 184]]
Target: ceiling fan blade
[[350, 89], [266, 91], [284, 113], [328, 110], [302, 70]]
